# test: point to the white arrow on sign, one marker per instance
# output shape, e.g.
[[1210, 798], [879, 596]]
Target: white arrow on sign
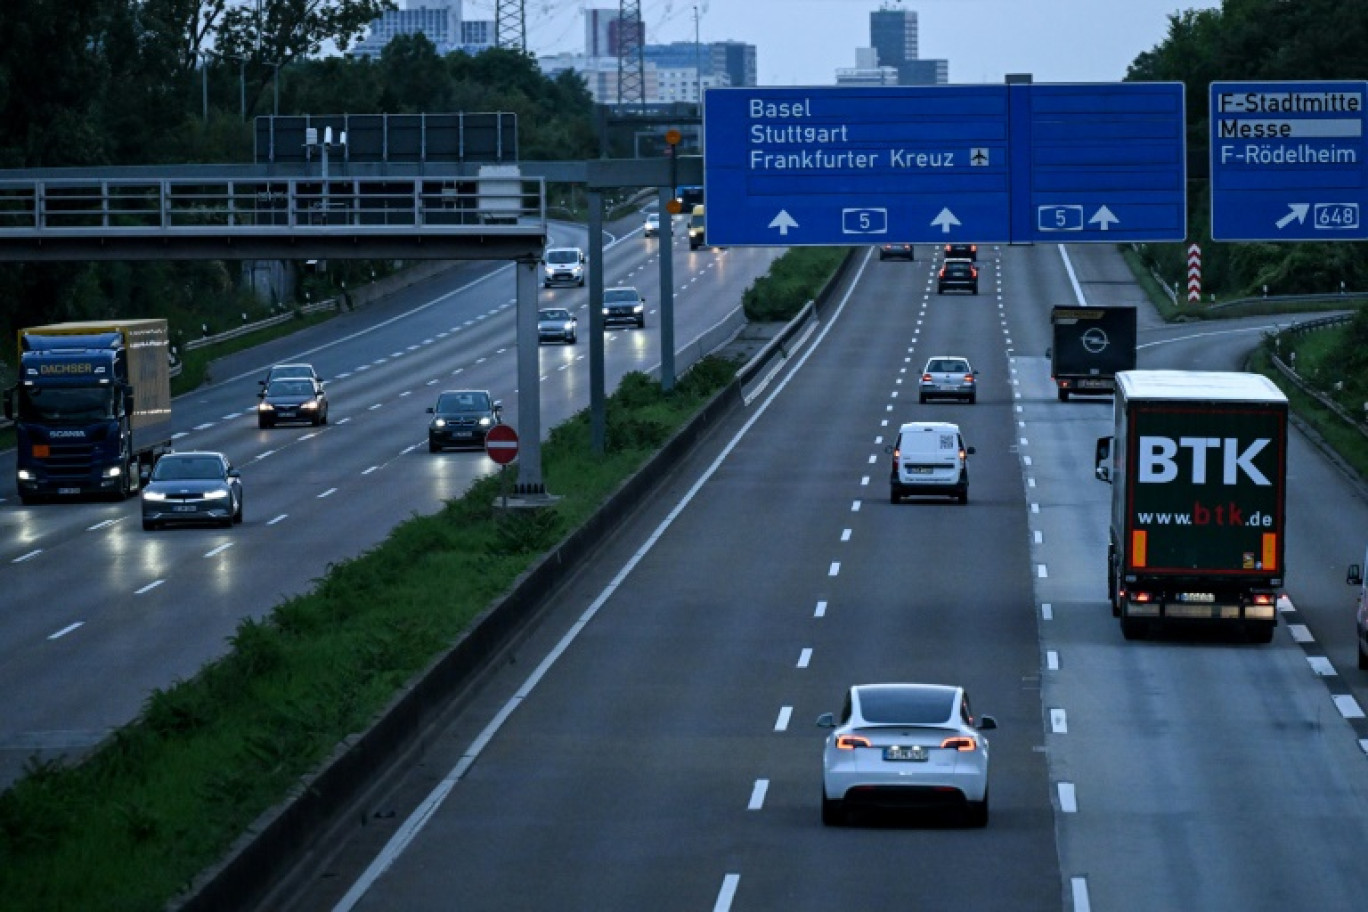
[[1297, 214], [1103, 218], [783, 221], [944, 220]]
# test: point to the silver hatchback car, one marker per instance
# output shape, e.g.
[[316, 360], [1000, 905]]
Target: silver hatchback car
[[948, 377], [192, 487]]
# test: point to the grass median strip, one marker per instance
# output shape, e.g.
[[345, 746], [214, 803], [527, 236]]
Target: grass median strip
[[167, 795]]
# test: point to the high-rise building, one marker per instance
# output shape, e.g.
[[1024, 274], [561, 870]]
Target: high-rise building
[[438, 20], [605, 32], [893, 33]]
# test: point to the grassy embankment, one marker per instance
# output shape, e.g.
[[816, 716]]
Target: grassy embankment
[[168, 794]]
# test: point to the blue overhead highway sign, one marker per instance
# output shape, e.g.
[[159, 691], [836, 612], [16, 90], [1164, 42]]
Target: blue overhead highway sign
[[1288, 161], [929, 164]]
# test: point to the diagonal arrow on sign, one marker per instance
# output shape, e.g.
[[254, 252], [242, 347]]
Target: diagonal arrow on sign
[[1297, 214]]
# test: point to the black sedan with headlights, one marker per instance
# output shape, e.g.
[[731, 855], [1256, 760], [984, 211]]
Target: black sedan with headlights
[[292, 399], [462, 418], [556, 324], [192, 487], [624, 304]]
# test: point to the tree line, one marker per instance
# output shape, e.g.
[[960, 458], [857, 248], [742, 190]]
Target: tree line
[[135, 82], [1260, 41]]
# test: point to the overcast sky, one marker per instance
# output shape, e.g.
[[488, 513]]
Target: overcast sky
[[804, 42]]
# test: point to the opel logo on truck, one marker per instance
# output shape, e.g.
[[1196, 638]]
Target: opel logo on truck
[[1095, 340]]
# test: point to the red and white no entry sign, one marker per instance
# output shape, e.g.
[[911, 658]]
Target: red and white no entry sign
[[501, 444]]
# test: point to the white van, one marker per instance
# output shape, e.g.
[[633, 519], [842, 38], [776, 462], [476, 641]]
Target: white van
[[929, 457], [563, 266]]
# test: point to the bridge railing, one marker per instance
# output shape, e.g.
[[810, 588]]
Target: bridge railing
[[270, 206]]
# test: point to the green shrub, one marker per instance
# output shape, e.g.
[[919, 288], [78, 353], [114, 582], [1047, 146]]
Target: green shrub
[[793, 280]]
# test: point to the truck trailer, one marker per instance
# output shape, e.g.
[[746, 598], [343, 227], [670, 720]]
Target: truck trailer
[[1090, 346], [1198, 465], [91, 409]]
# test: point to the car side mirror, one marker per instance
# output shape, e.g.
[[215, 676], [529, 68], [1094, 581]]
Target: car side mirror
[[261, 383], [969, 451], [261, 395], [1102, 459], [985, 723], [1355, 576], [431, 410], [234, 473], [826, 720], [1049, 352], [498, 406]]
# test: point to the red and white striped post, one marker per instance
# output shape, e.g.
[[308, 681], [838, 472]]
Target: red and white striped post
[[1195, 274]]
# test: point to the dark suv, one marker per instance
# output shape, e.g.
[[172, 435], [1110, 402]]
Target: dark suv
[[462, 418], [961, 251], [957, 275]]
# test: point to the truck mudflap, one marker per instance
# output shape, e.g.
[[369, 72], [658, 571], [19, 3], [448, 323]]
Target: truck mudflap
[[1142, 612]]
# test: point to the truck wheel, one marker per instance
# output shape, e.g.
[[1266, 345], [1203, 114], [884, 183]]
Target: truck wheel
[[1259, 632], [1063, 394], [1133, 629], [962, 497], [1363, 658], [893, 496], [149, 525]]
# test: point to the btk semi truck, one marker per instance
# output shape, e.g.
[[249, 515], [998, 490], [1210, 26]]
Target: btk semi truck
[[1198, 465], [92, 407], [1090, 345]]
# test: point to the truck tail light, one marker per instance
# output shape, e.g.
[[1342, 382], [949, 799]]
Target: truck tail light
[[1264, 598], [1138, 596]]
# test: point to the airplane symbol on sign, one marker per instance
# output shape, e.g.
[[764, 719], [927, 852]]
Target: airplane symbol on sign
[[978, 156]]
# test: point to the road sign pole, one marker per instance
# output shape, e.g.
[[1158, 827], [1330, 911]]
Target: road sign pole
[[667, 339], [529, 377], [598, 411]]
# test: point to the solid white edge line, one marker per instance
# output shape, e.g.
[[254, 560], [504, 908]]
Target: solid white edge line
[[1073, 279], [415, 822]]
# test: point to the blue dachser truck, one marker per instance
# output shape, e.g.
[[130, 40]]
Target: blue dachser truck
[[91, 408]]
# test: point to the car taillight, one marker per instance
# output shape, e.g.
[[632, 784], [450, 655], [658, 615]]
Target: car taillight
[[850, 742], [942, 272], [968, 378], [927, 378], [960, 743]]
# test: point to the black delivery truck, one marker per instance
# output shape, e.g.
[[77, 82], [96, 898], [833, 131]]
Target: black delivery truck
[[1091, 344]]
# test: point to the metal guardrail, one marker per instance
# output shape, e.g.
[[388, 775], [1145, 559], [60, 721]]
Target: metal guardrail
[[1296, 379], [248, 328]]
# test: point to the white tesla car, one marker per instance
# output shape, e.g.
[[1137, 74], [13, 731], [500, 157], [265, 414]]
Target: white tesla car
[[905, 746]]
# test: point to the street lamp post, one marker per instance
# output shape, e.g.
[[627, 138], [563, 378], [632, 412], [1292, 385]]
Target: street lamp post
[[698, 61]]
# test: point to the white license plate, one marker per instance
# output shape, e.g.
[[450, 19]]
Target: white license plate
[[463, 434], [918, 470], [1202, 597], [68, 490], [913, 752], [184, 508]]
